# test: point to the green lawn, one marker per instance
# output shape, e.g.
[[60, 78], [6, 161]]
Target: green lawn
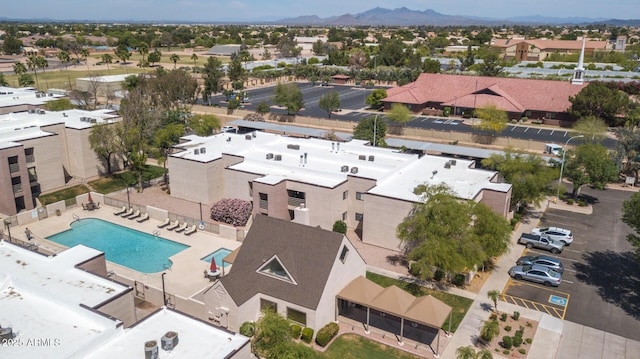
[[351, 346], [459, 305], [120, 180], [67, 194], [59, 79]]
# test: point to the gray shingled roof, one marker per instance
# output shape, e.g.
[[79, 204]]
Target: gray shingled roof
[[308, 253]]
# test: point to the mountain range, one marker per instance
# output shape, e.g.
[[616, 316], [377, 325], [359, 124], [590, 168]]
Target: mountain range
[[406, 17]]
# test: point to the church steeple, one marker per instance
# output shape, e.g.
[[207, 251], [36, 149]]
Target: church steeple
[[578, 72]]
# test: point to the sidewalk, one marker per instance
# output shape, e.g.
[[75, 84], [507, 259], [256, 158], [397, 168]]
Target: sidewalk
[[555, 338]]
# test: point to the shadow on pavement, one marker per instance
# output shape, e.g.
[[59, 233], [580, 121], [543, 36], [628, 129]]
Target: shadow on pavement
[[617, 277]]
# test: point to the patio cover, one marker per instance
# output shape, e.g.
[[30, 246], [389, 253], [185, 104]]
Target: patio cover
[[393, 300]]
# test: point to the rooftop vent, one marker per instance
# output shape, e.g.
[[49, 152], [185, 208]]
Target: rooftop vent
[[344, 169], [253, 134], [371, 158], [32, 111], [41, 112], [277, 158], [453, 162], [151, 349], [269, 156], [169, 340], [196, 151], [64, 114], [293, 147], [93, 120], [362, 158], [203, 150], [247, 137], [228, 139], [354, 170], [447, 164]]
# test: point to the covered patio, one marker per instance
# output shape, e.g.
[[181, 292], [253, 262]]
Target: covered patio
[[395, 311]]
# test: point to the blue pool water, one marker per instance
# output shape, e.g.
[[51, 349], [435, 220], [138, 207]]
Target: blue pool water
[[127, 247], [219, 256]]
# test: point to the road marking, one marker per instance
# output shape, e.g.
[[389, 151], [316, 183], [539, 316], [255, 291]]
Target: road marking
[[552, 131], [567, 281], [574, 250], [539, 131], [554, 299], [513, 128], [565, 134], [526, 129]]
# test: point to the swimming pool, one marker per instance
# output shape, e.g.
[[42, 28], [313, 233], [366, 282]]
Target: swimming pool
[[127, 247], [219, 256]]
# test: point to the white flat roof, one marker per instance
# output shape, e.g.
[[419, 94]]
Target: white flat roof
[[395, 173], [195, 339], [109, 78], [24, 96]]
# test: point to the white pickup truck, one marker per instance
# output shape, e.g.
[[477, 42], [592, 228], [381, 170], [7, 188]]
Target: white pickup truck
[[542, 242]]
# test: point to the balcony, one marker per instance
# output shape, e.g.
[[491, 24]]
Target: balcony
[[296, 202], [14, 167]]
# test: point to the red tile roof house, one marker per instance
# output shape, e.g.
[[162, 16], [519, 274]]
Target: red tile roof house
[[535, 99]]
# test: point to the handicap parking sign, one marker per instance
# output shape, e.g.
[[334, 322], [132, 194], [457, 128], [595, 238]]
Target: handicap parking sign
[[554, 299]]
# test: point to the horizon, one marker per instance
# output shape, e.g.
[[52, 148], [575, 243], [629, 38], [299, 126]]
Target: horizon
[[253, 10]]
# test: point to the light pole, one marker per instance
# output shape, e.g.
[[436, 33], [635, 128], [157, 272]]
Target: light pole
[[128, 200], [564, 151], [164, 295], [7, 223], [375, 127]]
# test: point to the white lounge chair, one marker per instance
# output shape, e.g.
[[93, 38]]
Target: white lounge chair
[[127, 213], [118, 212], [135, 215], [164, 224], [182, 227], [173, 225], [191, 230], [143, 218]]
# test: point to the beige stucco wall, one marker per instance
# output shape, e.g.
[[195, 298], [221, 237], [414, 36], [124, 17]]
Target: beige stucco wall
[[381, 218], [192, 180], [499, 202], [123, 308], [7, 196], [48, 161]]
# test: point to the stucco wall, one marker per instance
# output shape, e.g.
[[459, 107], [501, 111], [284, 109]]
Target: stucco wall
[[48, 161], [122, 308], [499, 202], [381, 218]]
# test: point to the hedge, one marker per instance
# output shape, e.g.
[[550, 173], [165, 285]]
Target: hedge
[[247, 329], [307, 335], [295, 331], [326, 333]]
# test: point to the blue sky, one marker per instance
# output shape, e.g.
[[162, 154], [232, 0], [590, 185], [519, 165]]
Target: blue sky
[[216, 10]]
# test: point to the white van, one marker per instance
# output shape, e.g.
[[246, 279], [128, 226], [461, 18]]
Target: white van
[[553, 149]]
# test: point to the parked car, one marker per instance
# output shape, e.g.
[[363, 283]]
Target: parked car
[[541, 241], [559, 234], [545, 261], [226, 129], [536, 273]]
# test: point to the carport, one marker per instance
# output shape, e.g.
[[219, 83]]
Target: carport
[[391, 308]]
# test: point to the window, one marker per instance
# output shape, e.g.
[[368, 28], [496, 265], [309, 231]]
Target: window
[[359, 196], [13, 164], [344, 216], [28, 153], [551, 115], [345, 195], [343, 254], [297, 316], [264, 201], [296, 198], [268, 305], [275, 269], [359, 216]]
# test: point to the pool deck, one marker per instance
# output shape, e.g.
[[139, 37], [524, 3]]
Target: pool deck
[[185, 278]]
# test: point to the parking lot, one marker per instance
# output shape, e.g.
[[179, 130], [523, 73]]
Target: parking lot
[[600, 283]]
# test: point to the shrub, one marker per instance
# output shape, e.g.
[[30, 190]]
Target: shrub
[[517, 340], [458, 280], [326, 333], [235, 212], [503, 317], [247, 329], [296, 330], [438, 275], [507, 342], [307, 335], [505, 352], [529, 325], [340, 227], [493, 317], [570, 201], [254, 117], [516, 315], [522, 351], [507, 328], [582, 203], [528, 340]]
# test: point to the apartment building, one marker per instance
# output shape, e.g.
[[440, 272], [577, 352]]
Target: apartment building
[[318, 182]]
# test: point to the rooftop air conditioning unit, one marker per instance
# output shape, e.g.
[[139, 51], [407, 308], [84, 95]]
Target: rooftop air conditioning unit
[[371, 158], [447, 164], [277, 158], [362, 158], [354, 170], [151, 349], [196, 151], [247, 137], [203, 150], [169, 340], [269, 156], [93, 120], [41, 112], [453, 162], [32, 111], [64, 114], [293, 147], [344, 169]]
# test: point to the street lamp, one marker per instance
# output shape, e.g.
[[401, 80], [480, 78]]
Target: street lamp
[[562, 163], [375, 127], [164, 295], [128, 200]]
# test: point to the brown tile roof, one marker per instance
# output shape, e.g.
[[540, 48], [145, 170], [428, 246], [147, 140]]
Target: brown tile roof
[[551, 44], [508, 94], [307, 253]]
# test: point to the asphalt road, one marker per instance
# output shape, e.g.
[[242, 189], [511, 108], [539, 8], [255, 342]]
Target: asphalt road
[[354, 108], [601, 282]]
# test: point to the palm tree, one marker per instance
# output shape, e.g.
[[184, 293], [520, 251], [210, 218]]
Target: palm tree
[[64, 57], [19, 68], [484, 354], [32, 64], [194, 57], [467, 352], [85, 55], [494, 295], [174, 58], [143, 49], [489, 330], [107, 59]]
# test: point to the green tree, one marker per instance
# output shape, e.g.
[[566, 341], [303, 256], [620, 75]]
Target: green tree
[[492, 119], [194, 58], [431, 66], [529, 175], [289, 96], [364, 130], [174, 58], [489, 329], [203, 125], [469, 352], [592, 128], [236, 72], [491, 65], [58, 105], [374, 100], [212, 75], [631, 216], [19, 68], [25, 80], [104, 141], [143, 50], [154, 57], [3, 81], [451, 234], [273, 340], [468, 60], [330, 102], [400, 113], [628, 150], [11, 45], [601, 100], [590, 163], [107, 59], [122, 53], [64, 57], [85, 55], [494, 295], [165, 138], [263, 108]]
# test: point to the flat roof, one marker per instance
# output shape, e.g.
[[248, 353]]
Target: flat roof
[[195, 339], [24, 96], [104, 79]]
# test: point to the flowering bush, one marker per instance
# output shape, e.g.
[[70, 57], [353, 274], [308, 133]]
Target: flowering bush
[[235, 212]]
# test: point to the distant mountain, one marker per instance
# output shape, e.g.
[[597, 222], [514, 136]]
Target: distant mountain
[[406, 17]]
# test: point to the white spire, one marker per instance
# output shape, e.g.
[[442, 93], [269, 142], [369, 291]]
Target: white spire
[[578, 72]]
